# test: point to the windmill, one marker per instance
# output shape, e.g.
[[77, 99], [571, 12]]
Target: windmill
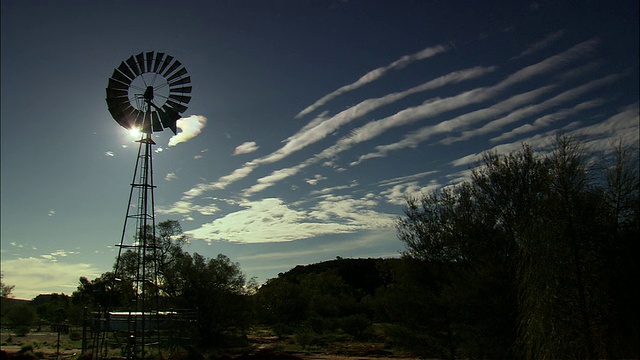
[[147, 92]]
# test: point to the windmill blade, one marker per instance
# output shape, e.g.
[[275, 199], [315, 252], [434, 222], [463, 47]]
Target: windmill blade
[[172, 68], [117, 93], [180, 98], [159, 57], [125, 70], [185, 89], [168, 117], [184, 80], [146, 122], [115, 84], [140, 62], [178, 73], [166, 62], [149, 58], [157, 125], [132, 64], [179, 107], [138, 118], [120, 77], [115, 102], [122, 114]]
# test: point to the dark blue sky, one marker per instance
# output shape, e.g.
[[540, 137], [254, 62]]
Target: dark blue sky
[[313, 118]]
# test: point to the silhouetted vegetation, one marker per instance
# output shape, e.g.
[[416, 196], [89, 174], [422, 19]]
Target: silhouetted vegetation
[[533, 257]]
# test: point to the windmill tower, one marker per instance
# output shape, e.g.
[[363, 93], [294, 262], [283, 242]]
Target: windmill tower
[[147, 92]]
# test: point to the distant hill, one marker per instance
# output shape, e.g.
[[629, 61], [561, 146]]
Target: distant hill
[[364, 274]]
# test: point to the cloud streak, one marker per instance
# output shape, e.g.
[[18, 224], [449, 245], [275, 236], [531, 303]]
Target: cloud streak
[[374, 75], [246, 148]]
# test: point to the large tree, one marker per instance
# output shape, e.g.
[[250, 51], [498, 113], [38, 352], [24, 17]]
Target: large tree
[[544, 228]]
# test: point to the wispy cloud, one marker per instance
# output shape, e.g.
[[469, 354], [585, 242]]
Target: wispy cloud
[[190, 127], [314, 181], [410, 115], [321, 129], [551, 38], [549, 119], [566, 96], [623, 126], [246, 148], [170, 176], [374, 75], [54, 255], [463, 121]]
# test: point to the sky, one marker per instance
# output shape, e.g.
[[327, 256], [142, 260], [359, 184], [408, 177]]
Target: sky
[[310, 121]]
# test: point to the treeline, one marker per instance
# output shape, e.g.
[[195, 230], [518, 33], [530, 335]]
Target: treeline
[[536, 256]]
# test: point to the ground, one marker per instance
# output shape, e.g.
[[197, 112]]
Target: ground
[[262, 346]]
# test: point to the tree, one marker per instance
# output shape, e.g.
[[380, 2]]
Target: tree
[[555, 236], [212, 288], [5, 289], [215, 289], [103, 292], [20, 318]]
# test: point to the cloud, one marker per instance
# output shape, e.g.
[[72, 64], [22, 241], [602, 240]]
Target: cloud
[[190, 127], [568, 95], [324, 128], [53, 256], [33, 276], [374, 75], [577, 52], [246, 148], [623, 126], [170, 176], [334, 189], [549, 119], [541, 44], [271, 220], [466, 120], [314, 181], [186, 208]]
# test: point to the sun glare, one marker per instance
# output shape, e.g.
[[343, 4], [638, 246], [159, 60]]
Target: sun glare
[[135, 133]]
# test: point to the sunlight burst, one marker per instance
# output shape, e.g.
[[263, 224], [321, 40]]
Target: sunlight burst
[[135, 133]]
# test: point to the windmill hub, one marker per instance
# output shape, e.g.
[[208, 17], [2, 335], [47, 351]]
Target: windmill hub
[[148, 94]]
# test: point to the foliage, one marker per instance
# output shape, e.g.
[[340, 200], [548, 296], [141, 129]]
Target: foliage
[[104, 292], [546, 229], [20, 318], [5, 289], [212, 288]]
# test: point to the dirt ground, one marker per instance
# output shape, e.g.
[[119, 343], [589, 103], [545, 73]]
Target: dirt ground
[[42, 342], [266, 347]]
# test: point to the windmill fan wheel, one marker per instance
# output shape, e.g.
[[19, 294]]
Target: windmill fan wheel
[[149, 91]]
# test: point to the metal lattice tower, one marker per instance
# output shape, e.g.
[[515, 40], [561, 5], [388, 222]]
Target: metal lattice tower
[[146, 92]]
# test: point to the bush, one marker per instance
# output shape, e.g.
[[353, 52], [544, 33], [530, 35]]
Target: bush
[[75, 335], [21, 330], [355, 325]]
